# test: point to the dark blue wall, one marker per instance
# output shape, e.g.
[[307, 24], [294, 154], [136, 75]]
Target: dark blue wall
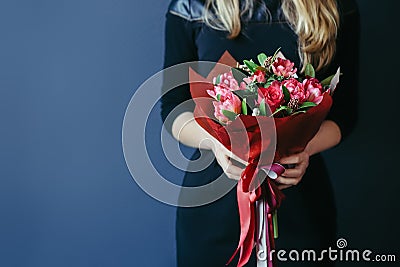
[[67, 72]]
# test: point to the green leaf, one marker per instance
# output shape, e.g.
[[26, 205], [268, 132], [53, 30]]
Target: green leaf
[[298, 112], [307, 105], [219, 97], [327, 81], [244, 106], [261, 58], [309, 71], [239, 74], [218, 79], [281, 108], [262, 69], [263, 110], [251, 65], [244, 93], [249, 95], [229, 114], [286, 93]]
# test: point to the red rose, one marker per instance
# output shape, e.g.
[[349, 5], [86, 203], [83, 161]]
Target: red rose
[[273, 95]]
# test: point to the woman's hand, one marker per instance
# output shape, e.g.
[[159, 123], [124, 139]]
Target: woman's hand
[[231, 164], [328, 136], [187, 131], [293, 176]]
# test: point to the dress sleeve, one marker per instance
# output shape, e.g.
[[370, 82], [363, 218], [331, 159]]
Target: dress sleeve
[[344, 110], [179, 48]]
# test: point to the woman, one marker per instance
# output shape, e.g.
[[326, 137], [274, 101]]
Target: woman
[[321, 32]]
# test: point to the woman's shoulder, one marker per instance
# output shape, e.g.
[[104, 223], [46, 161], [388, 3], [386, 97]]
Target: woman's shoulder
[[191, 10]]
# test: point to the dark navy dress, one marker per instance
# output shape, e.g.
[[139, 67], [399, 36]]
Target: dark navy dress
[[207, 236]]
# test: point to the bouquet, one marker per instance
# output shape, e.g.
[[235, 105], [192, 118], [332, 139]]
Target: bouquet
[[261, 112]]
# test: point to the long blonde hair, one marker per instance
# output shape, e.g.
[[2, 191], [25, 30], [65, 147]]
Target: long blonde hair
[[314, 21]]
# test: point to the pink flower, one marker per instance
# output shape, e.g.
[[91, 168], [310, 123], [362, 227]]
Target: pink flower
[[314, 89], [296, 90], [219, 93], [227, 81], [231, 103], [283, 67], [243, 86], [258, 76], [248, 80], [273, 95]]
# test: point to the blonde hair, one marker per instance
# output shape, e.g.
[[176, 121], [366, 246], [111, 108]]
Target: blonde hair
[[314, 21]]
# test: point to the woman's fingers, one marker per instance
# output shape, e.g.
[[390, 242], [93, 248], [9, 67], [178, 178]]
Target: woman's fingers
[[222, 149], [293, 173], [236, 158], [293, 176], [296, 159], [292, 159], [232, 171], [229, 162], [288, 181], [233, 156]]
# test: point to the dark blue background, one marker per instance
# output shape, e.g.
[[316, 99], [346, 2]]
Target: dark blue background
[[67, 72]]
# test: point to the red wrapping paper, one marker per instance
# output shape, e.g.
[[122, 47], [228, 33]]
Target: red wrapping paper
[[259, 140]]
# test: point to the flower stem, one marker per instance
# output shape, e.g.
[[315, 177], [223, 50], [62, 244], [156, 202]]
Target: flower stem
[[275, 223]]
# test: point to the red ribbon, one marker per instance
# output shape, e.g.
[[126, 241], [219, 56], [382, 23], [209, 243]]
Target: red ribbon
[[246, 197]]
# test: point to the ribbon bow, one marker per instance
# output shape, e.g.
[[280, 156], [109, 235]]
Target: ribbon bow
[[248, 192]]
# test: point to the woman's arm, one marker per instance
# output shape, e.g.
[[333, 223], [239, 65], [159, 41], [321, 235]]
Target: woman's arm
[[328, 136], [186, 130]]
